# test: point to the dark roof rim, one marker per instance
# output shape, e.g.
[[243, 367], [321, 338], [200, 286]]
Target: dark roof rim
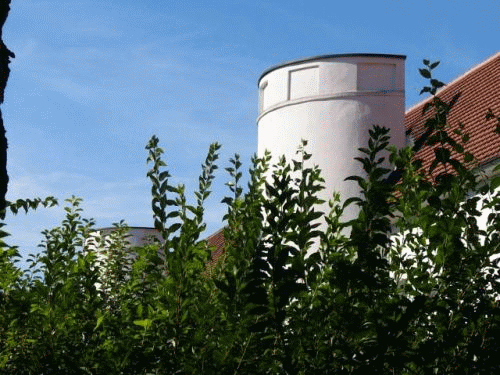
[[322, 57]]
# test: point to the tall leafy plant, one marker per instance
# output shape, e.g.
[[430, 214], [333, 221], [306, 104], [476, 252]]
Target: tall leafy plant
[[409, 286]]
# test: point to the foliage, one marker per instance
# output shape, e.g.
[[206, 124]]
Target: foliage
[[410, 286], [5, 56]]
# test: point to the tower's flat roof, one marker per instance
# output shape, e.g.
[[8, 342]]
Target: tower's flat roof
[[324, 57]]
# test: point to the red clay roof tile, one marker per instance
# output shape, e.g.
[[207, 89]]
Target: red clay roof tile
[[479, 90], [216, 240]]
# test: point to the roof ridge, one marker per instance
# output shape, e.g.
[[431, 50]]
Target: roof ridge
[[455, 80], [217, 232]]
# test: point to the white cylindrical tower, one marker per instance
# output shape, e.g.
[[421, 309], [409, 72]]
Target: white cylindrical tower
[[331, 101]]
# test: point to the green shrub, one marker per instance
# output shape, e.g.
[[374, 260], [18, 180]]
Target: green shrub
[[408, 287]]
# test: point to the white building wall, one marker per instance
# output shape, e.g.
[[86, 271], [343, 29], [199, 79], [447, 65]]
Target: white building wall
[[332, 102]]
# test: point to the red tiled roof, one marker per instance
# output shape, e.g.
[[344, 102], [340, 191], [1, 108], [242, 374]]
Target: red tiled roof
[[215, 240], [479, 90]]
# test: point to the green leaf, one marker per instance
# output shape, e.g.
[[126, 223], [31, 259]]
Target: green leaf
[[424, 90], [495, 183], [425, 73], [468, 157], [437, 84], [433, 65], [442, 154], [351, 200], [99, 322], [146, 323]]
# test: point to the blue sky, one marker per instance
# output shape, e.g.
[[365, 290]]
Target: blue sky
[[92, 81]]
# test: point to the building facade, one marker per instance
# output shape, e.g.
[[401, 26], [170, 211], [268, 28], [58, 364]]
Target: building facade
[[333, 100]]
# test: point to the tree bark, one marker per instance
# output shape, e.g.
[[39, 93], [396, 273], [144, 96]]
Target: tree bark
[[5, 55]]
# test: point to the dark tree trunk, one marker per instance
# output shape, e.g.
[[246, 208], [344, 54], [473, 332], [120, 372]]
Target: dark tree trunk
[[5, 55]]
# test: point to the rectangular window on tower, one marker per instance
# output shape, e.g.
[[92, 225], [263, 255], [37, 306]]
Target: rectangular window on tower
[[262, 96], [376, 77], [303, 82]]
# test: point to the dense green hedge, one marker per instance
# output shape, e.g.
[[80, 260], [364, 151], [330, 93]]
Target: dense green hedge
[[408, 287]]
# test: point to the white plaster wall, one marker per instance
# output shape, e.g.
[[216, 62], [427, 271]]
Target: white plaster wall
[[100, 240], [139, 236]]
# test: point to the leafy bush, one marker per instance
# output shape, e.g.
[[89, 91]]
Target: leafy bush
[[408, 287]]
